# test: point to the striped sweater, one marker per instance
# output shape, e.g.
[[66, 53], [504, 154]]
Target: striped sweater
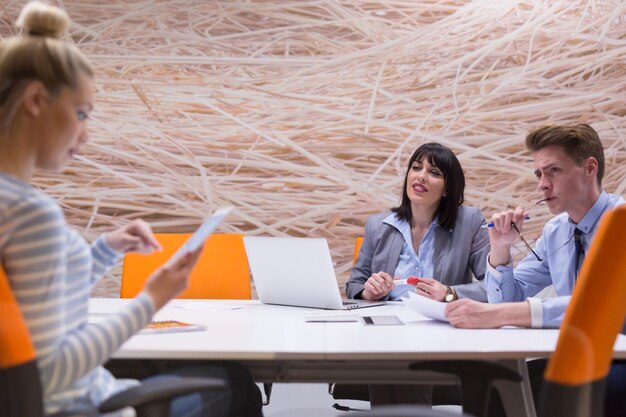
[[51, 270]]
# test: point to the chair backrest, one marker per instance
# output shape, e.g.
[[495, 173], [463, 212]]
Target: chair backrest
[[357, 247], [20, 389], [221, 272], [577, 370]]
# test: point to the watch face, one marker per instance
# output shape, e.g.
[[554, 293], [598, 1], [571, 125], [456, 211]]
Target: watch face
[[449, 297]]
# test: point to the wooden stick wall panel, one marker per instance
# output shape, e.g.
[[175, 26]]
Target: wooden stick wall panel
[[303, 114]]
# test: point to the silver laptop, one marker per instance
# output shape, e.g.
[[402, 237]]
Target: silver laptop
[[296, 272]]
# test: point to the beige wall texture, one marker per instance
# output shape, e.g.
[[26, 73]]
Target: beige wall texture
[[303, 114]]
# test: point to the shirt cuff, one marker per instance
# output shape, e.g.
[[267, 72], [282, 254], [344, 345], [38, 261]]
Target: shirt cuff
[[104, 253], [104, 245], [493, 271], [536, 312]]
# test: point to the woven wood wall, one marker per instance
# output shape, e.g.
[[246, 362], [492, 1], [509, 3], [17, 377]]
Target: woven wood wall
[[303, 114]]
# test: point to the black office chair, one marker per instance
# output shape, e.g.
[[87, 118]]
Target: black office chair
[[20, 387], [575, 378], [473, 393]]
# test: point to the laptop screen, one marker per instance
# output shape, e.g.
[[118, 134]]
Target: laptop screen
[[293, 271]]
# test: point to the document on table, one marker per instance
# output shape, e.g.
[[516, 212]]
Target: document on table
[[331, 316], [201, 234], [426, 307], [208, 307]]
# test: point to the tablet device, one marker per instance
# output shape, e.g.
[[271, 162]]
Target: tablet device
[[202, 233]]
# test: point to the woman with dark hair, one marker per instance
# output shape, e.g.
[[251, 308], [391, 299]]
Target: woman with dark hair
[[430, 235]]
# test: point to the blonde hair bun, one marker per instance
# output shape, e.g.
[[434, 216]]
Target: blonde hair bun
[[43, 20]]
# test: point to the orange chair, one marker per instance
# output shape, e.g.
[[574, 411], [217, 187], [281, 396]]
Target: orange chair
[[574, 378], [20, 387], [221, 272], [357, 247], [18, 361], [574, 381]]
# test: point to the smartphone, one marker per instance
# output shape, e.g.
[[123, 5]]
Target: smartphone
[[381, 320]]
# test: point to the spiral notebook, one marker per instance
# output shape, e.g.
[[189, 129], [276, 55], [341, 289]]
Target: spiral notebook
[[171, 326]]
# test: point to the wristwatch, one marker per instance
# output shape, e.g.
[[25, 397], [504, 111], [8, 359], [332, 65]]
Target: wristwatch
[[450, 295]]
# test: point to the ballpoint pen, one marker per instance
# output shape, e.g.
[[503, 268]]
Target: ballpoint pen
[[543, 200], [488, 225], [484, 226]]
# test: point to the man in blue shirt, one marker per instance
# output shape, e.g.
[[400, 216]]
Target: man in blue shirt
[[569, 164]]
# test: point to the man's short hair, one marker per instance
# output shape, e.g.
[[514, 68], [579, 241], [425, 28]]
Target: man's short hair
[[579, 141]]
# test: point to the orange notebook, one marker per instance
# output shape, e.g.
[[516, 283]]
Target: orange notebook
[[170, 326]]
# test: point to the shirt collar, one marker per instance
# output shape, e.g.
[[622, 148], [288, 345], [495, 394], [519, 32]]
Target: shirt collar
[[590, 219], [399, 224]]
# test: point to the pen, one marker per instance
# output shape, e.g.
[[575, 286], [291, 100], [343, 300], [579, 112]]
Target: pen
[[488, 225], [409, 280]]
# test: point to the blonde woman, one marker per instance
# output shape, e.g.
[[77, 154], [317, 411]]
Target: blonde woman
[[46, 97]]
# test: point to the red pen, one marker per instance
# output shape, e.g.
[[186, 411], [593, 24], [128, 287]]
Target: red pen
[[409, 280]]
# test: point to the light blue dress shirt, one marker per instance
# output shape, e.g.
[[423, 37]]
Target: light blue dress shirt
[[411, 264], [556, 248]]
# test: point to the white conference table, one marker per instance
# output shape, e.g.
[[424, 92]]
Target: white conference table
[[278, 345]]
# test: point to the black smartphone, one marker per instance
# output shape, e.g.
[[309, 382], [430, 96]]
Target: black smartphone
[[381, 320]]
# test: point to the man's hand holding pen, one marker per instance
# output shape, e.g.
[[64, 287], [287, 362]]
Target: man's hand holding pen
[[503, 234]]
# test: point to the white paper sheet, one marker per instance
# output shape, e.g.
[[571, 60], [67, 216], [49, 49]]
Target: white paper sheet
[[331, 316], [426, 307], [208, 307]]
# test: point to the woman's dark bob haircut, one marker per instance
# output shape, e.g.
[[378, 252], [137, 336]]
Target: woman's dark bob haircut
[[444, 159]]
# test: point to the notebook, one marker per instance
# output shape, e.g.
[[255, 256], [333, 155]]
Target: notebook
[[170, 326], [296, 272]]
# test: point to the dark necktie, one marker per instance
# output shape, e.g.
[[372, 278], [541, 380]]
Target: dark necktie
[[580, 254]]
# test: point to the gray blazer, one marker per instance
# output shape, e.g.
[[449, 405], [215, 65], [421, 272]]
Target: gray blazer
[[458, 253]]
